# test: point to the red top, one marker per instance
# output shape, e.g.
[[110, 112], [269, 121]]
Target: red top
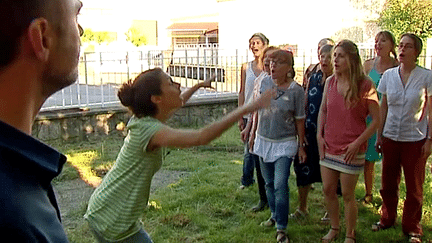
[[344, 125]]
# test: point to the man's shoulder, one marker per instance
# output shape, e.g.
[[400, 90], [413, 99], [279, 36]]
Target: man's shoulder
[[28, 213]]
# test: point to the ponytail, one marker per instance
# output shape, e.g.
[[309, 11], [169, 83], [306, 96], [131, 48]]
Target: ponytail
[[136, 94]]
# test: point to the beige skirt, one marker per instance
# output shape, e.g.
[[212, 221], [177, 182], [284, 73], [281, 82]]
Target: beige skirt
[[336, 162]]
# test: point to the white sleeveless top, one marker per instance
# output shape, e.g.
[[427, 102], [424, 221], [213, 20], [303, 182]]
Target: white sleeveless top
[[249, 83]]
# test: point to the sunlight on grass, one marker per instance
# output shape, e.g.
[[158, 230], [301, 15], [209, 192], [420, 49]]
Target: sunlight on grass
[[176, 184], [207, 206], [152, 204], [82, 162], [237, 162]]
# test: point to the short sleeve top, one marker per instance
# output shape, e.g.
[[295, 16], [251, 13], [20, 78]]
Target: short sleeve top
[[278, 122], [345, 124], [117, 204], [406, 116]]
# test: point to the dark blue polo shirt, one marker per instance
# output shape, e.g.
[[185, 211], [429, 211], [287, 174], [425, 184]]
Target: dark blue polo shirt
[[28, 207]]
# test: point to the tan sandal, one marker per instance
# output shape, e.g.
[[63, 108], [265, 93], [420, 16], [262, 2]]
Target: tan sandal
[[325, 218], [414, 238], [282, 237], [298, 214], [351, 239], [378, 226], [367, 200], [269, 223], [331, 238]]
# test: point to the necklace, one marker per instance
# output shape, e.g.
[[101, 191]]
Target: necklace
[[280, 92]]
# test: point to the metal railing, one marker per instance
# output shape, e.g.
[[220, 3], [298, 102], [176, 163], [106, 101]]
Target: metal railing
[[101, 73]]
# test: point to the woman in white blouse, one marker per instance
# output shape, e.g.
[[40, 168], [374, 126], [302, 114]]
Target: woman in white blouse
[[403, 137]]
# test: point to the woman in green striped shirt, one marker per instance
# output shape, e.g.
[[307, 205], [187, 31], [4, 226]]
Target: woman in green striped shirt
[[115, 208]]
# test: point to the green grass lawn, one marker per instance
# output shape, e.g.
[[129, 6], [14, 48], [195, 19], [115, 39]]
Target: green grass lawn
[[207, 205]]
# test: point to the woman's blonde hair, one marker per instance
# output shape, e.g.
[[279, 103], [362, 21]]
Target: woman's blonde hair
[[355, 72], [262, 37], [389, 36]]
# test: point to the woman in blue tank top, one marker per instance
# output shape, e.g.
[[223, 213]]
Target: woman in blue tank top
[[375, 67]]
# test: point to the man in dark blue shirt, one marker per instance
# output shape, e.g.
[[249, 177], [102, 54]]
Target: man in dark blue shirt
[[39, 54], [29, 211]]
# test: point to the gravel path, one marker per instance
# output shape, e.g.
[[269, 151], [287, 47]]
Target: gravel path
[[73, 195]]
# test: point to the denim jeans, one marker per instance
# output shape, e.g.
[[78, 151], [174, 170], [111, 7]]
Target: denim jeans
[[249, 161], [141, 237], [276, 176]]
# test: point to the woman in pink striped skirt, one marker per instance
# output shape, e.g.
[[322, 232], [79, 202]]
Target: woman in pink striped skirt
[[349, 97]]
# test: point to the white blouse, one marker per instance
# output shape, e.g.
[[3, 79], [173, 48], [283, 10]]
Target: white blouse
[[406, 116]]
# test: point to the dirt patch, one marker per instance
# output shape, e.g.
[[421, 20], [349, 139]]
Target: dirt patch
[[73, 195]]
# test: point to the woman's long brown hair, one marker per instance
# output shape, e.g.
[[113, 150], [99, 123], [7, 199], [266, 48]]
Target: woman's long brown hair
[[355, 72]]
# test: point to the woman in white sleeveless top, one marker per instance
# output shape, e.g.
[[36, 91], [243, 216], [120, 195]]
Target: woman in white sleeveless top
[[249, 74]]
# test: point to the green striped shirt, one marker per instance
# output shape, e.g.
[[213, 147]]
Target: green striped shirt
[[116, 206]]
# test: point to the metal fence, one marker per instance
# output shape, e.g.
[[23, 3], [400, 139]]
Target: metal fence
[[101, 73]]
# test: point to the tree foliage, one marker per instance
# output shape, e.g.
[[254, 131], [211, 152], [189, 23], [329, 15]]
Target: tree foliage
[[402, 16], [97, 36], [136, 37]]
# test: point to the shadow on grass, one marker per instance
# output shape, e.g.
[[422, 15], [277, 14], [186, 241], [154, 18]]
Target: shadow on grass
[[208, 207]]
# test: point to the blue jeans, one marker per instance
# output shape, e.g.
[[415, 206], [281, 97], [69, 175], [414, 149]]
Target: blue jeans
[[249, 161], [276, 176], [140, 237]]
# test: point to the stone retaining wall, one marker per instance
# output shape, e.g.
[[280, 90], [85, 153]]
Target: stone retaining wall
[[81, 124]]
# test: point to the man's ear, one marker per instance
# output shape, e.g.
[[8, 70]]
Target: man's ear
[[156, 99], [39, 35]]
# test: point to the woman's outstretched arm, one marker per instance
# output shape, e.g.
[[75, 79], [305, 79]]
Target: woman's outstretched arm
[[189, 92], [183, 138]]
